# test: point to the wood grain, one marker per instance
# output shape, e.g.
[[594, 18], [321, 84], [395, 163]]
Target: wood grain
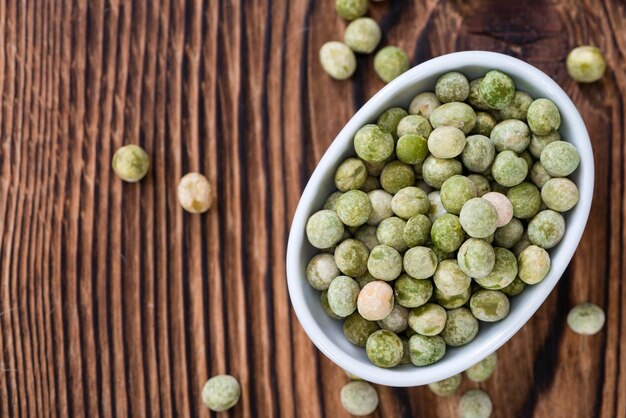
[[116, 303]]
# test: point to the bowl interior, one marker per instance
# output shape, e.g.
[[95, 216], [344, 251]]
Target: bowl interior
[[327, 333]]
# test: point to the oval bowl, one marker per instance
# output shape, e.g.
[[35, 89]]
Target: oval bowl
[[327, 333]]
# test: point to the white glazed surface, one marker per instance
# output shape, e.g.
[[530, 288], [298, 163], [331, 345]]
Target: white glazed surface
[[327, 333]]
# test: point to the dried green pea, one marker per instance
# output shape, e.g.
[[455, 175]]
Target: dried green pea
[[480, 183], [391, 232], [511, 134], [351, 257], [411, 292], [455, 191], [359, 398], [546, 229], [367, 235], [503, 273], [461, 327], [221, 393], [446, 142], [539, 142], [358, 329], [450, 279], [373, 144], [362, 35], [371, 183], [485, 123], [350, 175], [351, 9], [414, 125], [411, 149], [508, 169], [518, 108], [321, 270], [497, 89], [365, 279], [476, 258], [474, 98], [354, 208], [384, 263], [390, 62], [515, 288], [478, 154], [560, 158], [332, 200], [423, 104], [521, 245], [446, 387], [475, 404], [453, 301], [543, 117], [342, 294], [447, 233], [428, 319], [131, 163], [533, 264], [585, 64], [396, 176], [326, 306], [420, 262], [384, 348], [538, 175], [390, 119], [409, 202], [478, 218], [436, 208], [455, 114], [324, 229], [337, 60], [508, 235], [526, 200], [452, 87], [396, 321], [437, 170], [559, 194], [483, 370], [489, 305], [586, 319], [425, 350], [417, 231], [381, 206]]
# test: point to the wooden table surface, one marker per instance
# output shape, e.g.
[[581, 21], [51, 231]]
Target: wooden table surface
[[116, 303]]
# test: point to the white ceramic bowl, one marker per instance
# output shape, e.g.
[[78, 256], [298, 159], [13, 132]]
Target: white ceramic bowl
[[325, 332]]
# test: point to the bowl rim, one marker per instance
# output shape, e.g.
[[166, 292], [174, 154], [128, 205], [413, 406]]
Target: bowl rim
[[576, 225]]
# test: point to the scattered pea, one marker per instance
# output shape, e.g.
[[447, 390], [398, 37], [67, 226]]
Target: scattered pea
[[390, 62], [586, 64], [362, 35], [351, 9], [475, 404], [359, 398], [131, 164], [194, 193], [221, 393], [446, 387], [338, 60], [482, 370], [586, 319]]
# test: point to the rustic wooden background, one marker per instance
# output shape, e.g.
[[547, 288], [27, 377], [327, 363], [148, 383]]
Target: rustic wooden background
[[114, 302]]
